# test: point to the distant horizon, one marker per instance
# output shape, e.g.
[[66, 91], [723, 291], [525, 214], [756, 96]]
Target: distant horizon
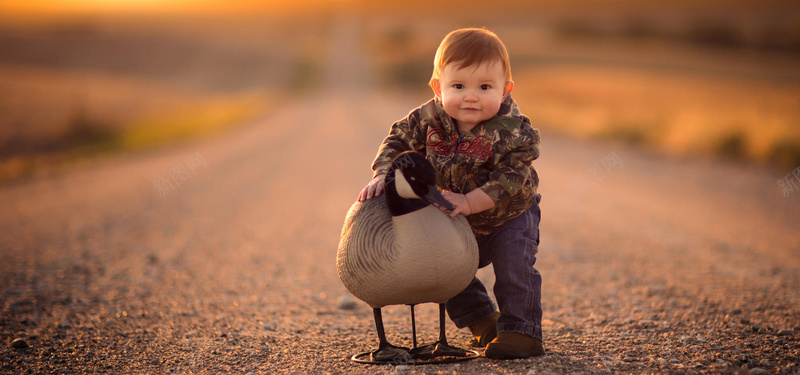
[[55, 9]]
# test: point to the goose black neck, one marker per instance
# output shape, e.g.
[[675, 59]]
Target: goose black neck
[[398, 205]]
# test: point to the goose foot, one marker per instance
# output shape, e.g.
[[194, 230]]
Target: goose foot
[[392, 354], [437, 350], [386, 353]]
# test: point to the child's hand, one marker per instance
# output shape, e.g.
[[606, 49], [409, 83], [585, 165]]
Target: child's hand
[[467, 204], [459, 201], [374, 188]]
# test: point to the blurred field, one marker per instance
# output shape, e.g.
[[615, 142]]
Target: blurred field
[[710, 77], [77, 87], [681, 111]]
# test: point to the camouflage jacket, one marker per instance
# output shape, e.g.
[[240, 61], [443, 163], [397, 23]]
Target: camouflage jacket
[[494, 156]]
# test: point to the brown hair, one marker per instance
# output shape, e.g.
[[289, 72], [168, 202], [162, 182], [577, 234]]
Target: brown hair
[[470, 46]]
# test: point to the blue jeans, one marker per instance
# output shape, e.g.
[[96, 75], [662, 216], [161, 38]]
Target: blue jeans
[[511, 249]]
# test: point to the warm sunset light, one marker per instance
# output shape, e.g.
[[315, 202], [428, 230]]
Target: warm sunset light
[[219, 186], [65, 7], [61, 6]]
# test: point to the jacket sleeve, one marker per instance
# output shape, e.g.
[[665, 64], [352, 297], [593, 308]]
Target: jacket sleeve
[[405, 135], [513, 169]]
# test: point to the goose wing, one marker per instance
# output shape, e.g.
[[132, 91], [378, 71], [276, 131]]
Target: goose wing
[[366, 246]]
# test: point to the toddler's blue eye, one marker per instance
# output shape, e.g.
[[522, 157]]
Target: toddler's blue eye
[[484, 87], [458, 86]]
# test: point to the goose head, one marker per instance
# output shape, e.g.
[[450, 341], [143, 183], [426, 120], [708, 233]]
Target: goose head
[[411, 185]]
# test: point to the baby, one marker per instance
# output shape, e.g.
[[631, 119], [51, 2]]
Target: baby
[[481, 147]]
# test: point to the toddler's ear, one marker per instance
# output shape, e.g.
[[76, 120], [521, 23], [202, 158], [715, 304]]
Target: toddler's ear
[[437, 87], [507, 89]]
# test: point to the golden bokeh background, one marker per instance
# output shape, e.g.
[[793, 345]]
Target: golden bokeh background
[[699, 78]]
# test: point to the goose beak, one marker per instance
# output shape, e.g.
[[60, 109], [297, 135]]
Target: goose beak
[[434, 196]]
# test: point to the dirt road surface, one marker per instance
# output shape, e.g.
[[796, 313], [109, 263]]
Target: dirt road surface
[[650, 263]]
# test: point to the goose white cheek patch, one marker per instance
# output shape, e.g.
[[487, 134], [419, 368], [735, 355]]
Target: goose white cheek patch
[[403, 187]]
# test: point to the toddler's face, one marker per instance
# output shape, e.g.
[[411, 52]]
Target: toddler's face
[[472, 94]]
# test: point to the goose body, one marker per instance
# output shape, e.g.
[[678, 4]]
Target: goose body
[[399, 249], [422, 256]]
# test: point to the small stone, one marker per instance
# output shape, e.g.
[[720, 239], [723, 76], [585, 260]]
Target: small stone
[[764, 363], [347, 302], [674, 361], [785, 332], [736, 311], [628, 359], [744, 321], [758, 371], [19, 343]]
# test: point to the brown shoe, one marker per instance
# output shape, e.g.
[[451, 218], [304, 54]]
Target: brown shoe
[[485, 330], [512, 345]]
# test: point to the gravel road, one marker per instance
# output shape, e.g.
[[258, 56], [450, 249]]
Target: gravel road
[[650, 263]]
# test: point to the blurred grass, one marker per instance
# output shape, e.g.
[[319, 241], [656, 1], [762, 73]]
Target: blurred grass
[[679, 114], [711, 77], [724, 83], [188, 122], [85, 87], [86, 137]]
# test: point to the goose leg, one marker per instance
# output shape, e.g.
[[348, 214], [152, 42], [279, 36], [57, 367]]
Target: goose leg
[[413, 327], [439, 348], [442, 348], [386, 352]]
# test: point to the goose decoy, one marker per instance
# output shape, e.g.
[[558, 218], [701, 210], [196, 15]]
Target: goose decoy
[[399, 249]]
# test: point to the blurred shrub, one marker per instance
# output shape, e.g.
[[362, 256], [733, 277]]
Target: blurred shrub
[[718, 32], [629, 133], [786, 152], [636, 28], [81, 132], [87, 135], [777, 37], [403, 58], [714, 32], [307, 73], [732, 145], [576, 27], [410, 73]]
